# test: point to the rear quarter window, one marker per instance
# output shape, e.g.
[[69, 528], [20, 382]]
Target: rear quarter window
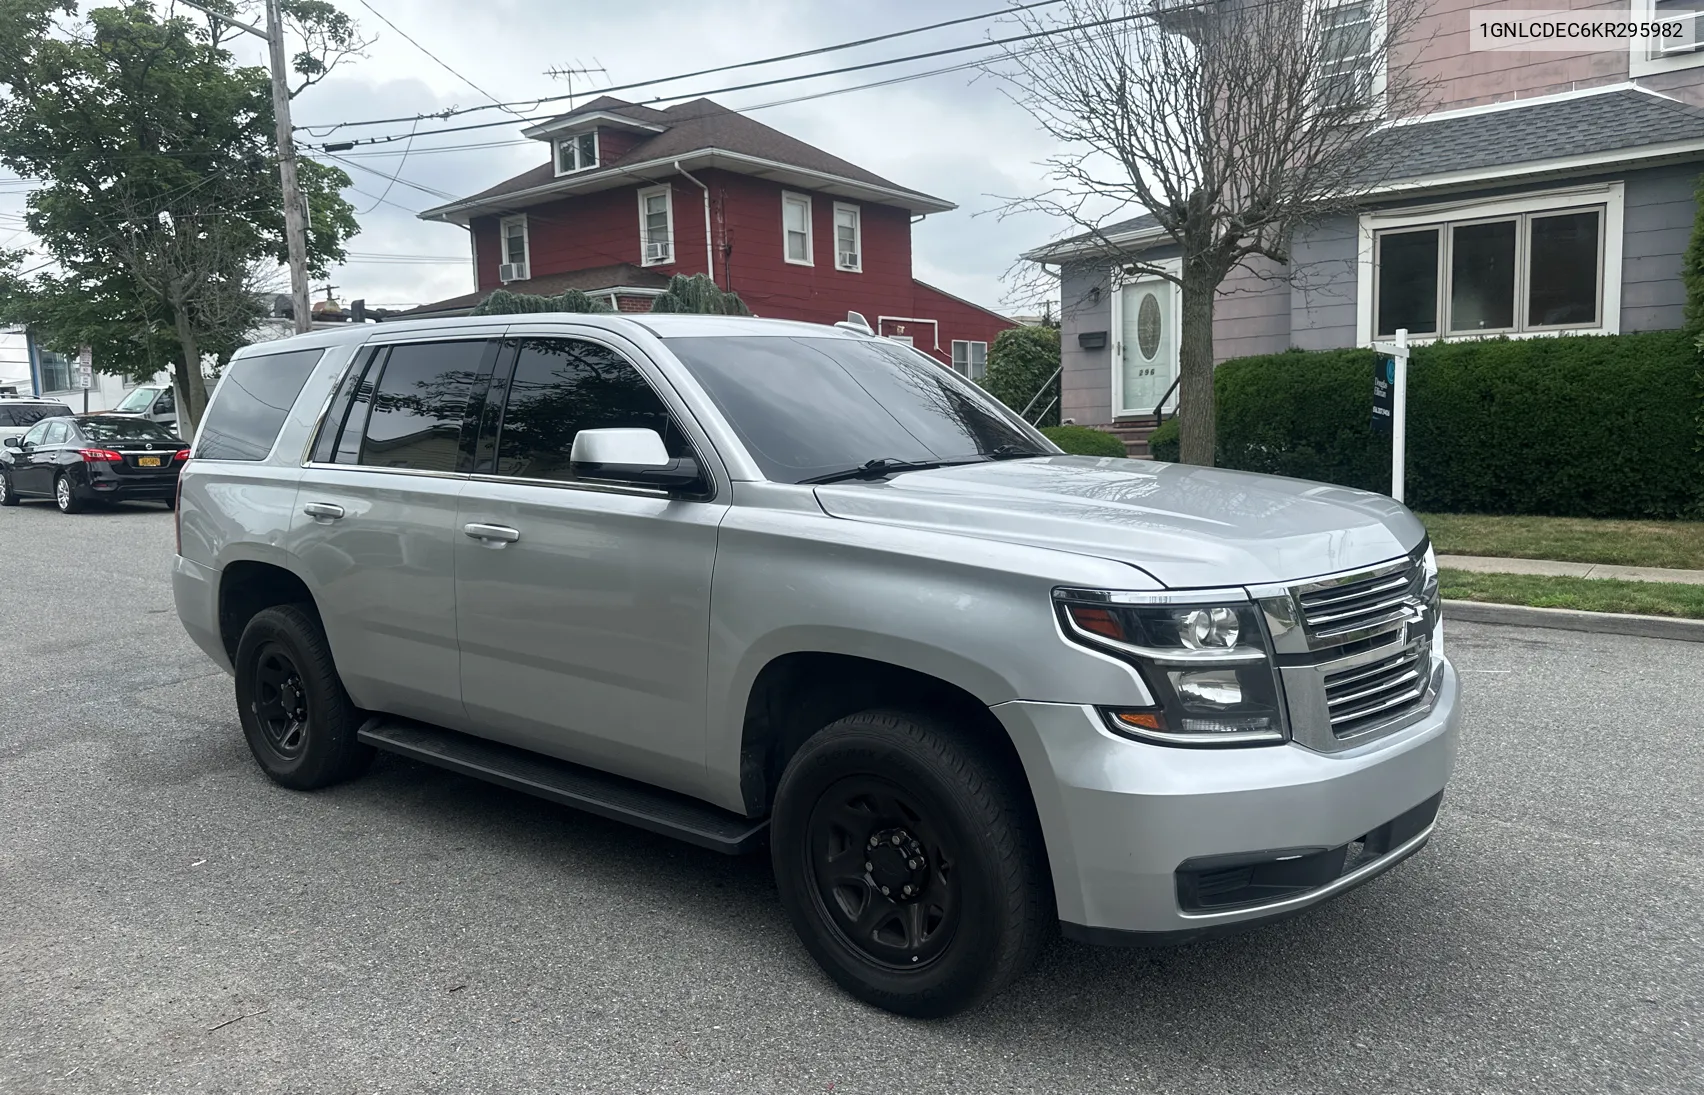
[[250, 405]]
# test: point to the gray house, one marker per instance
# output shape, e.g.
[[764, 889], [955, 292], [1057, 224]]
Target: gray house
[[1565, 212]]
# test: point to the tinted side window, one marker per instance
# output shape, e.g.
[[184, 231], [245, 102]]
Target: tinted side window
[[28, 414], [562, 386], [418, 404], [57, 432], [250, 404]]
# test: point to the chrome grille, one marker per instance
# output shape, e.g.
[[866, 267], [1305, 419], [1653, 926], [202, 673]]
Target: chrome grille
[[1341, 608], [1375, 691]]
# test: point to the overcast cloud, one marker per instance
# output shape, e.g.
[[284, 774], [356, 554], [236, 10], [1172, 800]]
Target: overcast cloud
[[956, 135]]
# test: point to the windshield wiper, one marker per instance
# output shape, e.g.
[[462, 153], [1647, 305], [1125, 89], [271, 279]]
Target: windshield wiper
[[1011, 452], [873, 469]]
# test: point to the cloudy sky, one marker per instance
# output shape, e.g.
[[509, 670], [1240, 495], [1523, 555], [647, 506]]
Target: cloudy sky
[[954, 135]]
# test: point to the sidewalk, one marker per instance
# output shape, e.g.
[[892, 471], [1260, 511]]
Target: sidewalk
[[1488, 564]]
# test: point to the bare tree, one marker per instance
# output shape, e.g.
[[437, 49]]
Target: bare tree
[[1233, 123]]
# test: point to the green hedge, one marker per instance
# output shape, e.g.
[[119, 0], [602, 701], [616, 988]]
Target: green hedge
[[1588, 426], [1023, 361], [1083, 441]]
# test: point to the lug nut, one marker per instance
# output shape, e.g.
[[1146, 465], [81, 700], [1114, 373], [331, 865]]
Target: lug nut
[[868, 866], [907, 890], [885, 891], [912, 863], [896, 838], [874, 842]]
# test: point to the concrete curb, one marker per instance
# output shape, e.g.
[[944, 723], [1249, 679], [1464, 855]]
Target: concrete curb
[[1565, 619]]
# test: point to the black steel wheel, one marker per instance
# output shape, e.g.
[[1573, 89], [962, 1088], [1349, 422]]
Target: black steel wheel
[[885, 878], [280, 701], [909, 859], [299, 721]]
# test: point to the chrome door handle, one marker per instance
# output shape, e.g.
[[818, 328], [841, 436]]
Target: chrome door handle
[[323, 511], [492, 535]]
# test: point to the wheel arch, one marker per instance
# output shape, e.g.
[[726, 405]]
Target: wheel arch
[[249, 586], [796, 693]]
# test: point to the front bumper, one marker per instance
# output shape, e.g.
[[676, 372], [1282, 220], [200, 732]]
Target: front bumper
[[1121, 817]]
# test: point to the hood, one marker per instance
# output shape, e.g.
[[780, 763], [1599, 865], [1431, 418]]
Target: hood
[[1186, 526]]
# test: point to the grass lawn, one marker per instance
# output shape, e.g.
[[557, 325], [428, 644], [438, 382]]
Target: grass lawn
[[1570, 539], [1586, 594]]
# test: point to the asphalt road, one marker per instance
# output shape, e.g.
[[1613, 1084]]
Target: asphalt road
[[171, 922]]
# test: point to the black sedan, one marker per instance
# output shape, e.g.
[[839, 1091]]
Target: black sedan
[[93, 457]]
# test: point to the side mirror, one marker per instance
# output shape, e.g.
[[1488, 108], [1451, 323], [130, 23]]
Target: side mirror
[[633, 456], [14, 443]]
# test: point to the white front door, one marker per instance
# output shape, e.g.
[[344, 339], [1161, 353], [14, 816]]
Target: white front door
[[1145, 358]]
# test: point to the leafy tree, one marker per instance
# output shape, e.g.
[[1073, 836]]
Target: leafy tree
[[1022, 362], [1232, 125], [160, 202], [700, 296], [504, 303]]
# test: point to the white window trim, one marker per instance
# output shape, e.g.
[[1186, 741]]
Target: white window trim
[[967, 343], [810, 229], [1640, 62], [1612, 196], [857, 236], [503, 243], [1377, 104], [667, 192], [556, 153]]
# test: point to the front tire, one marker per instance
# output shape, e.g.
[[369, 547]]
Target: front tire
[[8, 496], [299, 721], [910, 863], [65, 495]]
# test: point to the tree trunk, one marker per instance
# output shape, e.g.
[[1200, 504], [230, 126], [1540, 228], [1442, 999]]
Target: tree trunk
[[1196, 422], [186, 375]]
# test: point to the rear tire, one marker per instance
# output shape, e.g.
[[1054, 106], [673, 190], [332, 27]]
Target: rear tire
[[913, 803], [299, 721], [65, 495], [8, 496]]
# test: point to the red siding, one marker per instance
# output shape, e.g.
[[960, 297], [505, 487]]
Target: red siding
[[602, 229], [616, 143]]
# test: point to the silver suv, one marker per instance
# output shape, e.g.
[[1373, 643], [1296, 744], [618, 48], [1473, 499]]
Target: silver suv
[[745, 581]]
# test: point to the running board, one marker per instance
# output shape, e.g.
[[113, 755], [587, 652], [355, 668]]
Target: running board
[[583, 788]]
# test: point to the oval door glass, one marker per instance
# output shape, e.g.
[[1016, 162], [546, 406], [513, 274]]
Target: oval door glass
[[1149, 346]]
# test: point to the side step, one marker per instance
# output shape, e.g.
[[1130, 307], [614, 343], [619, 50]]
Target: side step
[[587, 789]]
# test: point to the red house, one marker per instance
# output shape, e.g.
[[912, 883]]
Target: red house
[[630, 196]]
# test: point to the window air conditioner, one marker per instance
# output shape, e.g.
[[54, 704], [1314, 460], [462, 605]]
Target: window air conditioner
[[849, 259], [512, 271], [657, 252]]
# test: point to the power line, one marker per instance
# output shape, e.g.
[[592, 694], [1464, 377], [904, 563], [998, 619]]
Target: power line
[[441, 62], [533, 104], [1033, 35]]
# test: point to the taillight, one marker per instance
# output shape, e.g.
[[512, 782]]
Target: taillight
[[182, 454], [100, 456]]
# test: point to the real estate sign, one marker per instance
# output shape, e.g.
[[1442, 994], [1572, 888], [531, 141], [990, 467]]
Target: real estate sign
[[1384, 393]]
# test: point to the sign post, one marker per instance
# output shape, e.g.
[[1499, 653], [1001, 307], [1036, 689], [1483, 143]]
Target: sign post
[[1390, 404], [85, 374]]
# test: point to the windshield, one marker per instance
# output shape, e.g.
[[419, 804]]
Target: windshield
[[806, 407], [139, 400], [123, 429]]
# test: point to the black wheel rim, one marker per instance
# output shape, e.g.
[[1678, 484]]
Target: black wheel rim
[[867, 835], [280, 703]]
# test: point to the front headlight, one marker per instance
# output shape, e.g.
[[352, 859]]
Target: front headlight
[[1429, 596], [1204, 657]]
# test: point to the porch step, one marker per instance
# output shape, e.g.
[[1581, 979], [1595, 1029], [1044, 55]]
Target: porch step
[[587, 789], [1134, 432]]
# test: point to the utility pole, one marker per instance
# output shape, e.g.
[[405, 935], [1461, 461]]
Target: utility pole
[[295, 225]]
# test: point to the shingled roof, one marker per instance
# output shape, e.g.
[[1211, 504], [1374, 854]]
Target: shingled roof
[[1524, 138], [690, 130]]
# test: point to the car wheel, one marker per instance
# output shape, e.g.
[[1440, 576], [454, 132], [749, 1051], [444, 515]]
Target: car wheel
[[299, 721], [65, 496], [8, 496], [909, 863]]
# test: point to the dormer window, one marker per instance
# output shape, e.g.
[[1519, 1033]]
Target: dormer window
[[577, 153]]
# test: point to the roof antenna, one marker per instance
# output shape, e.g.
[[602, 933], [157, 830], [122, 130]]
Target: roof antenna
[[568, 72], [855, 322]]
